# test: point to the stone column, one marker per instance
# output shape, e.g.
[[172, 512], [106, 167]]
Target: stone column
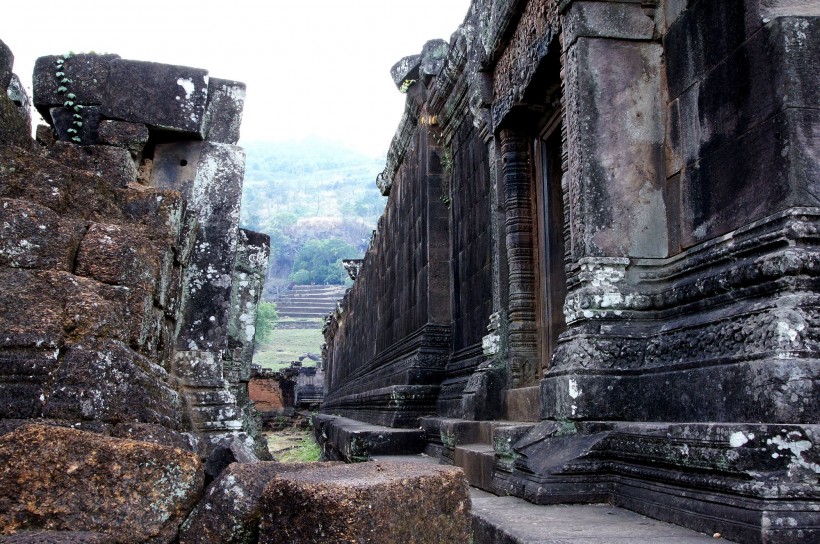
[[521, 339]]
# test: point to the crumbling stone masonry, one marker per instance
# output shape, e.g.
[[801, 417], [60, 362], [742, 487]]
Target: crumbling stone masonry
[[601, 243], [128, 292]]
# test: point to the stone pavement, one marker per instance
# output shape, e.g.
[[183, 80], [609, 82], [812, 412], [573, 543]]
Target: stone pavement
[[510, 520]]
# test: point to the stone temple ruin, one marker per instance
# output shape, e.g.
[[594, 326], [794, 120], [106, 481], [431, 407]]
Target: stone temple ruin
[[121, 242], [596, 278], [128, 297], [595, 281]]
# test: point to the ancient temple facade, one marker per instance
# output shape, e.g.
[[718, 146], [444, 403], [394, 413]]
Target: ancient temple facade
[[601, 242]]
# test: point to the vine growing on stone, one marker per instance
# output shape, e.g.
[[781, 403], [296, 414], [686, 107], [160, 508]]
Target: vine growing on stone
[[70, 97]]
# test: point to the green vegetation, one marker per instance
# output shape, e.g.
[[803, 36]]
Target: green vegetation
[[266, 316], [320, 261], [294, 447], [286, 345], [311, 190]]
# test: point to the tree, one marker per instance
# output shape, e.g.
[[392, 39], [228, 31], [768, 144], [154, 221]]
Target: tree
[[266, 316], [322, 260]]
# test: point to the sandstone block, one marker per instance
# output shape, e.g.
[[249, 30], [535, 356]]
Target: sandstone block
[[104, 380], [605, 20], [161, 95], [406, 69], [24, 378], [210, 176], [87, 75], [358, 503], [116, 255], [63, 479], [230, 511], [109, 163], [6, 65], [131, 136], [62, 119], [14, 130], [223, 113], [58, 537], [42, 308], [433, 55], [233, 449], [33, 236], [17, 93]]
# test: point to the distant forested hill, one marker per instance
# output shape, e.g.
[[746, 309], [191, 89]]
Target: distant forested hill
[[310, 190]]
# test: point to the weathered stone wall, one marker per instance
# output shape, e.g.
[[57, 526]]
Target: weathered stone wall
[[402, 297], [632, 220], [118, 258]]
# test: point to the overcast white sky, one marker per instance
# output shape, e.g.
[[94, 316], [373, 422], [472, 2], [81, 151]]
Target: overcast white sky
[[312, 67]]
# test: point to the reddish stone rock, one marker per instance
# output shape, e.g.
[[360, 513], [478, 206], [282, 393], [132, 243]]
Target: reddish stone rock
[[62, 479], [33, 236], [119, 256], [379, 503], [131, 136], [58, 537], [110, 163], [229, 512]]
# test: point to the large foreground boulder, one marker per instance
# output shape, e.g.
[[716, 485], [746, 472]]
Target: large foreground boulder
[[375, 503], [230, 511], [59, 479]]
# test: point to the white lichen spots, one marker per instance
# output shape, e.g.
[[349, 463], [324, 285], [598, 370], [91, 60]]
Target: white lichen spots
[[574, 390], [212, 319], [739, 438], [788, 332], [187, 85], [55, 191], [795, 443], [491, 344]]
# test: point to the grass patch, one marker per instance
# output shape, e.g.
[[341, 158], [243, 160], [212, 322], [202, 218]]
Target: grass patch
[[290, 447], [288, 345]]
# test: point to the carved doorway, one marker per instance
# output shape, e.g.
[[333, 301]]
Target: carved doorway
[[550, 243]]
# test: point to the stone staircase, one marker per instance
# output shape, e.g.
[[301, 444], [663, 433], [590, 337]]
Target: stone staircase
[[483, 450], [309, 301]]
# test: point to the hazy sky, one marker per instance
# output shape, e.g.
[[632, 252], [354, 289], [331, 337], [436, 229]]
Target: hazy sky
[[312, 67]]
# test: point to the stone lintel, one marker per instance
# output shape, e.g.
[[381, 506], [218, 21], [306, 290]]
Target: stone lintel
[[160, 95], [596, 19]]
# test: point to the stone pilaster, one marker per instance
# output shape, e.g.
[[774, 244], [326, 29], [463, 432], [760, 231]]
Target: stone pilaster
[[518, 225]]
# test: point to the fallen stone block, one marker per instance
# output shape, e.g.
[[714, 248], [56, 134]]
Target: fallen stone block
[[238, 448], [223, 113], [63, 479], [160, 95], [230, 511], [379, 503]]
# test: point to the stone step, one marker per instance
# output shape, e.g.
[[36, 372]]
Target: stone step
[[302, 307], [301, 314], [510, 520], [353, 440], [477, 461]]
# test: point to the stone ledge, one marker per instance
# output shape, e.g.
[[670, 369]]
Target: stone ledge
[[350, 440]]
